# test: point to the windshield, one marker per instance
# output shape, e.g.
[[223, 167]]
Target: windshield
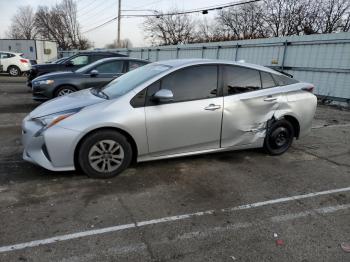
[[129, 81]]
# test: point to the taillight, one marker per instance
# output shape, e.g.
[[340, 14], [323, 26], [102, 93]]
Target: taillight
[[25, 61], [309, 89]]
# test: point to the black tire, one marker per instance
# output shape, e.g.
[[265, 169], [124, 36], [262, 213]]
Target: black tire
[[86, 151], [64, 89], [279, 137], [14, 71]]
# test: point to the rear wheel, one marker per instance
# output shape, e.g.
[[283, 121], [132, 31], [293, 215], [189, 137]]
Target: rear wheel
[[64, 90], [14, 71], [104, 154], [279, 137]]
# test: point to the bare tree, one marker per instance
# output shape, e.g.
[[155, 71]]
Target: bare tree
[[210, 32], [334, 12], [244, 22], [22, 24], [169, 29], [60, 24]]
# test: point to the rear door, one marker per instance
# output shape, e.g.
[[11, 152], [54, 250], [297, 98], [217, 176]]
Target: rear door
[[192, 122], [248, 105], [107, 71]]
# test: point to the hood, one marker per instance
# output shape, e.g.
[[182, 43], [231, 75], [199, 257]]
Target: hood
[[75, 100], [55, 75]]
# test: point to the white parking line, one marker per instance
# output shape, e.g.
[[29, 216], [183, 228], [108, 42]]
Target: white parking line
[[100, 231]]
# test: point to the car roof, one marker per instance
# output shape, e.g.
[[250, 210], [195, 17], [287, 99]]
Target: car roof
[[197, 61], [121, 58], [9, 52], [100, 53]]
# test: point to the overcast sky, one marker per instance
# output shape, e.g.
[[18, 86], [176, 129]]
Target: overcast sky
[[94, 12]]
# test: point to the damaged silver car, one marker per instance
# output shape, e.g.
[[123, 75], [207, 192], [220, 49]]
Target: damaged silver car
[[169, 109]]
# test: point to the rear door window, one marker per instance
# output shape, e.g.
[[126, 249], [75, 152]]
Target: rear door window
[[267, 80], [135, 64], [4, 55], [239, 80], [113, 67]]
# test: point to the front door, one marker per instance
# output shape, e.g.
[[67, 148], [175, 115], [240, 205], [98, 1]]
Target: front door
[[248, 106], [192, 122]]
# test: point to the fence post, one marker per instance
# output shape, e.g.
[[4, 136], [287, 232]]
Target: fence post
[[203, 48], [285, 44], [177, 52], [236, 51], [148, 54], [141, 53], [217, 51], [157, 54]]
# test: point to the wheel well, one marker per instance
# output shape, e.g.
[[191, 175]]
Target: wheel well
[[295, 124], [126, 134], [8, 68], [58, 87]]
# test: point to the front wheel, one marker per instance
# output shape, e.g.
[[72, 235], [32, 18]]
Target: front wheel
[[104, 154], [279, 137], [64, 90]]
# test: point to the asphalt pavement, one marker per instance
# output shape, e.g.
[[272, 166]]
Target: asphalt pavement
[[232, 206]]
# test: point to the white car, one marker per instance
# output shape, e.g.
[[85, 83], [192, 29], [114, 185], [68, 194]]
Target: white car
[[14, 63]]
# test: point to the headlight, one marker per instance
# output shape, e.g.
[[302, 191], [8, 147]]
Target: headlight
[[51, 120], [44, 82]]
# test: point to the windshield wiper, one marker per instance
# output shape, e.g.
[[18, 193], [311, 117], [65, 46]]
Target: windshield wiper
[[103, 94], [98, 92]]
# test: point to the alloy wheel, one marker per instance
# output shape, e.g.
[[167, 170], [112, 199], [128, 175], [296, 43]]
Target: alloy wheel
[[65, 91], [106, 156], [14, 71]]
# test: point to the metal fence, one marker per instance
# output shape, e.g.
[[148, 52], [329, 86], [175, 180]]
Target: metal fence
[[323, 60]]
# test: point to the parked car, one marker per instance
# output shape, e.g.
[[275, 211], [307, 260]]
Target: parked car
[[97, 74], [14, 63], [70, 64], [58, 61], [169, 109]]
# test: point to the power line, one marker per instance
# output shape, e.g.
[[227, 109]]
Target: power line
[[219, 7], [196, 10], [105, 23], [84, 7], [98, 10]]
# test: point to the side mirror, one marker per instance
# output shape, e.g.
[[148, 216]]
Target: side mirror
[[93, 73], [163, 96]]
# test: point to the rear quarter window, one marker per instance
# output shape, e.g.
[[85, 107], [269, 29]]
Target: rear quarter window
[[282, 80], [267, 80]]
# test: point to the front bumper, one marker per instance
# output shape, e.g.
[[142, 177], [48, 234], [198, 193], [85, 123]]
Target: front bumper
[[42, 92], [53, 150]]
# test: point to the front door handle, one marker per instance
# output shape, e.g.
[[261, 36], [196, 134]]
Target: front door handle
[[270, 99], [212, 107]]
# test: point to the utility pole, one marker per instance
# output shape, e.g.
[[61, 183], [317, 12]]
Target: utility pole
[[119, 7]]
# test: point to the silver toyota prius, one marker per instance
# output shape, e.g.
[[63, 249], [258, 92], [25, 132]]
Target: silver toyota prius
[[169, 109]]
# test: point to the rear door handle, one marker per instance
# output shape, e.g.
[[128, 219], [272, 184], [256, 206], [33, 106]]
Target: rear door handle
[[270, 99], [212, 107]]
